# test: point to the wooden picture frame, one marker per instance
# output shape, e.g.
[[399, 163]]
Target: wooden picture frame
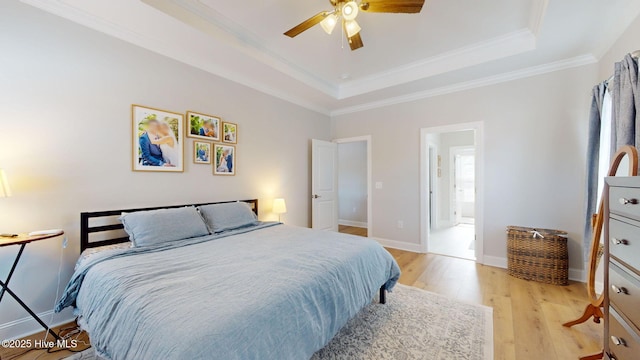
[[157, 138], [201, 152], [224, 157], [229, 133], [203, 126]]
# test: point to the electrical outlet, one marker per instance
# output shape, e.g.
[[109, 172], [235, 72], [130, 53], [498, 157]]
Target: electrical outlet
[[400, 224], [379, 185]]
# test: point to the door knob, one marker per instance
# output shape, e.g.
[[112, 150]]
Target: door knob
[[316, 196]]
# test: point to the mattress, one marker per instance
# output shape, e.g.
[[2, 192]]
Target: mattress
[[265, 292]]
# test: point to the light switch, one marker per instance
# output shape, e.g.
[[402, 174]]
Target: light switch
[[378, 184]]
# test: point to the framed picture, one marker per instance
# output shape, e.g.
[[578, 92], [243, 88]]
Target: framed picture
[[201, 152], [202, 126], [229, 132], [224, 159], [157, 137]]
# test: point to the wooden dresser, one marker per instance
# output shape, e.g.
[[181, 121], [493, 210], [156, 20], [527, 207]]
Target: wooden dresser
[[622, 275]]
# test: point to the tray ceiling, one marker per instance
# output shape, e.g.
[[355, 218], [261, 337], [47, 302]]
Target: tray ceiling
[[452, 44]]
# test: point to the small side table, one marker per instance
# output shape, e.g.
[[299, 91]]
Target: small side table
[[22, 240]]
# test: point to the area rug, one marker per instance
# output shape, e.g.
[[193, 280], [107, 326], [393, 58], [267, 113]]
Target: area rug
[[413, 324]]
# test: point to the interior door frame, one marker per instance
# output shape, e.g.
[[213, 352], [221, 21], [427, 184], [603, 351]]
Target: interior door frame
[[453, 206], [368, 140], [432, 168], [479, 182]]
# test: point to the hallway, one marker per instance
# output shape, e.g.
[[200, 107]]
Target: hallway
[[457, 241]]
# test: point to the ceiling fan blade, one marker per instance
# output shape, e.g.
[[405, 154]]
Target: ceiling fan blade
[[307, 24], [355, 42], [392, 6]]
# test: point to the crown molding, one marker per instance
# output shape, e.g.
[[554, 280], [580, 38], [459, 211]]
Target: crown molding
[[233, 34], [213, 23], [59, 8], [499, 47], [581, 60], [193, 14], [536, 19]]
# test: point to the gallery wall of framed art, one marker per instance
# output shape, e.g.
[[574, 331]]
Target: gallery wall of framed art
[[159, 137], [158, 141]]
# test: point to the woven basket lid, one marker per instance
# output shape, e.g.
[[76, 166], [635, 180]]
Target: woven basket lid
[[543, 232]]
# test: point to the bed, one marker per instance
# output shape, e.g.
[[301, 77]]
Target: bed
[[261, 291]]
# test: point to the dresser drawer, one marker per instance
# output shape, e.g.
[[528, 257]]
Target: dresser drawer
[[624, 343], [625, 242], [624, 293], [625, 201]]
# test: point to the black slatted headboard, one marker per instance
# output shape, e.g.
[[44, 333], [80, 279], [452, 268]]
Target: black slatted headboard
[[114, 226]]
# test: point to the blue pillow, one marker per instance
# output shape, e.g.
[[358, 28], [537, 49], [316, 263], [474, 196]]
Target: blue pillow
[[227, 216], [158, 226]]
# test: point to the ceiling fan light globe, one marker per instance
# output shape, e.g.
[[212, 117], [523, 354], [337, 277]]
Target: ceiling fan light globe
[[352, 28], [329, 23], [350, 10]]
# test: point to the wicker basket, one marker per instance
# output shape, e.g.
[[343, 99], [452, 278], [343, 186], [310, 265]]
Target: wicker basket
[[538, 254]]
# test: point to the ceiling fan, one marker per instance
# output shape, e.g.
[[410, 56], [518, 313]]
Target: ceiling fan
[[347, 11]]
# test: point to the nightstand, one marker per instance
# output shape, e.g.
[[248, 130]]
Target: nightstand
[[22, 240]]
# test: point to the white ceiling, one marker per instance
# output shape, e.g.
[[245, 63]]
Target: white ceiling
[[450, 46]]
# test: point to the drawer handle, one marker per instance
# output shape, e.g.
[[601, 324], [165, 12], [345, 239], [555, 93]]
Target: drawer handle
[[618, 341], [625, 201], [619, 290], [616, 241]]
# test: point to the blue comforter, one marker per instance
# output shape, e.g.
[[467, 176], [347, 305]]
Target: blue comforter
[[269, 292]]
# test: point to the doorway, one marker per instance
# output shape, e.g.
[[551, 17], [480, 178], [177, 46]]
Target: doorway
[[354, 215], [450, 184], [354, 198]]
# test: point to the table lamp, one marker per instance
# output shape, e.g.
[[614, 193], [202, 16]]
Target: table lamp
[[279, 207], [5, 191]]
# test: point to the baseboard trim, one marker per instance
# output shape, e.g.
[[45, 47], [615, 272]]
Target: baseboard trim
[[577, 275], [26, 326], [400, 245], [358, 224], [495, 261], [500, 262]]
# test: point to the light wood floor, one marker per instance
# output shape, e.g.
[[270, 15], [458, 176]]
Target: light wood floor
[[54, 353], [527, 316], [352, 230]]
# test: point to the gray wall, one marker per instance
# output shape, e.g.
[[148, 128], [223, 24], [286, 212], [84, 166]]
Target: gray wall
[[627, 43], [65, 130], [535, 144], [352, 183]]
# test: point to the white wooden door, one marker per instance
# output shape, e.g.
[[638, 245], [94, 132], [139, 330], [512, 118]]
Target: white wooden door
[[324, 185]]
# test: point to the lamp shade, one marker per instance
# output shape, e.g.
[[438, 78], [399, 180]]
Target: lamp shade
[[329, 23], [350, 10], [279, 206], [352, 28], [5, 190]]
